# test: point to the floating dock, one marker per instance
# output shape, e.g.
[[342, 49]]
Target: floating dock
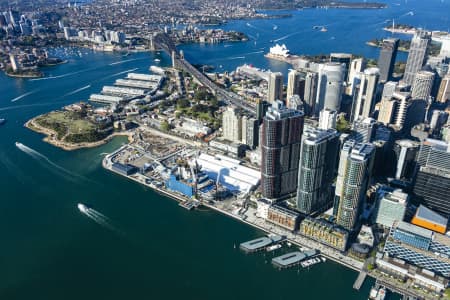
[[289, 259], [261, 243], [256, 245]]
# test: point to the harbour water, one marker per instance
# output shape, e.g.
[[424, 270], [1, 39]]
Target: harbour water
[[159, 250]]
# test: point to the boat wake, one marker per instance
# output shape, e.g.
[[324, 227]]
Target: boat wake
[[78, 90], [235, 57], [120, 73], [255, 52], [23, 96], [98, 218], [60, 76], [41, 157], [125, 61]]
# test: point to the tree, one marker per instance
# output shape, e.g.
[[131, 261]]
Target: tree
[[342, 125], [165, 126]]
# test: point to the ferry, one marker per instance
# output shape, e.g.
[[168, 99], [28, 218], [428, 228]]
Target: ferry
[[2, 121], [379, 294]]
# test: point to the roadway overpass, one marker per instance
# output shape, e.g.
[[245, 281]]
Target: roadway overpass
[[163, 41]]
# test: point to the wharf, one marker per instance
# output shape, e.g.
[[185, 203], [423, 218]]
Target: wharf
[[359, 280], [190, 204], [289, 260], [255, 245]]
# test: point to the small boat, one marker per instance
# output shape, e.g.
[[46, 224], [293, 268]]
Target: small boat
[[2, 121], [324, 29], [83, 208], [381, 294], [157, 60], [273, 247], [275, 27]]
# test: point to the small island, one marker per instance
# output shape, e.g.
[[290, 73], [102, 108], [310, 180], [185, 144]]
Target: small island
[[433, 47], [76, 126]]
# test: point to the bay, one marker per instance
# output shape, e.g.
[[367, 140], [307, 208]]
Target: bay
[[159, 251]]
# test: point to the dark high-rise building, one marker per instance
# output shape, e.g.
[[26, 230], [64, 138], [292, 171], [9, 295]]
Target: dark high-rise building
[[310, 93], [280, 150], [386, 61], [318, 157], [275, 86], [405, 152], [416, 56], [342, 58], [261, 109], [433, 178]]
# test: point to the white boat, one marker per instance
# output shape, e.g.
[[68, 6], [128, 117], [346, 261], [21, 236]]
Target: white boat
[[273, 247], [381, 294], [157, 60], [83, 208]]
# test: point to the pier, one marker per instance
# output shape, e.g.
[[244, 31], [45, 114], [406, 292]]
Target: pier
[[288, 260], [255, 245], [360, 280]]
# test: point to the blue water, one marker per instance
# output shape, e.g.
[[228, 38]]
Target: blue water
[[348, 31], [50, 251]]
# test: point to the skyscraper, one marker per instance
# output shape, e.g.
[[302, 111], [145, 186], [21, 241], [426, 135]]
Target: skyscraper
[[405, 152], [342, 58], [364, 98], [280, 150], [356, 66], [416, 56], [250, 131], [386, 61], [318, 156], [390, 206], [330, 87], [327, 119], [296, 85], [444, 90], [387, 110], [389, 89], [433, 178], [232, 124], [423, 83], [364, 130], [261, 109], [309, 96], [355, 168], [275, 87]]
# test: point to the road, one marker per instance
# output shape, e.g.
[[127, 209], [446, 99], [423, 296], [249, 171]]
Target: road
[[227, 96]]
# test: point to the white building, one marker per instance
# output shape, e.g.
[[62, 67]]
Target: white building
[[232, 125], [390, 206], [327, 119], [365, 92], [279, 50], [229, 172]]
